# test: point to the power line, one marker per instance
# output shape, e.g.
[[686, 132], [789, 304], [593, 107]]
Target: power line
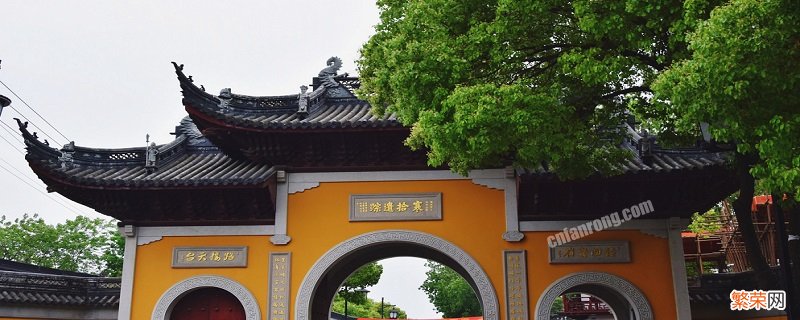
[[11, 131], [40, 191], [34, 111], [19, 171], [12, 145]]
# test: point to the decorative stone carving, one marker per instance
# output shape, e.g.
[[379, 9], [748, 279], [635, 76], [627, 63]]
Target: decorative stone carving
[[475, 272], [513, 236], [302, 102], [151, 155], [66, 157], [639, 304], [171, 297], [225, 93], [295, 187], [280, 239]]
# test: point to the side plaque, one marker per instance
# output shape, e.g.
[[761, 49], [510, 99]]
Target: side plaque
[[516, 278], [279, 269], [614, 251], [209, 257], [396, 207]]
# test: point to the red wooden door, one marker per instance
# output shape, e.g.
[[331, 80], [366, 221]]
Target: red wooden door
[[208, 304]]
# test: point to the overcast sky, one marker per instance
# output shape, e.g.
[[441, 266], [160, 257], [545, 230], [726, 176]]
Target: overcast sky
[[100, 73]]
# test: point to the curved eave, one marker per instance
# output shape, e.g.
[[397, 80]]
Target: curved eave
[[187, 171], [279, 114], [172, 202], [674, 193], [242, 103], [36, 149], [662, 161]]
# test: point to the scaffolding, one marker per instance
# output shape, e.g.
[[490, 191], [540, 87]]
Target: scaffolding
[[724, 249]]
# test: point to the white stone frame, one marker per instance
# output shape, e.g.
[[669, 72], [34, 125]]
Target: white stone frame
[[632, 294], [499, 179], [170, 298], [329, 259]]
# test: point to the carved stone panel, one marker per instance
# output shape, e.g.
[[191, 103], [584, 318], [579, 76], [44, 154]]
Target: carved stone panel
[[516, 283], [611, 251], [209, 257], [396, 207], [279, 272]]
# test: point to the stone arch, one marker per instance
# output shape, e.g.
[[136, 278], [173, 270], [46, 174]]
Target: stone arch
[[624, 298], [384, 244], [164, 306]]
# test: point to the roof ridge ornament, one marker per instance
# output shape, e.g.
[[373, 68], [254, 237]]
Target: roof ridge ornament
[[329, 73], [302, 101], [151, 154], [66, 158]]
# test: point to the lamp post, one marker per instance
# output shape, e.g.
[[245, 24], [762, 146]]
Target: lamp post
[[391, 306], [393, 314], [4, 102], [344, 292]]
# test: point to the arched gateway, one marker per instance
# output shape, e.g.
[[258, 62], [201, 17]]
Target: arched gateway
[[284, 196], [321, 282]]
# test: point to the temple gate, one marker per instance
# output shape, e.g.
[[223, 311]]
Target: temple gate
[[271, 202]]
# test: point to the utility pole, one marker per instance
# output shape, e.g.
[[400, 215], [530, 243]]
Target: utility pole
[[4, 102]]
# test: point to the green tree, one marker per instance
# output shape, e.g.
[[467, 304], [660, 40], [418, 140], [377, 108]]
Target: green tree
[[546, 82], [358, 305], [452, 296], [705, 223], [366, 276], [743, 79], [557, 306], [81, 244], [367, 309], [491, 82]]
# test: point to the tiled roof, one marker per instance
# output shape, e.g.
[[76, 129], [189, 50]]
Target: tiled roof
[[344, 114], [660, 161], [8, 265], [327, 108], [189, 161], [656, 159], [716, 288], [24, 288]]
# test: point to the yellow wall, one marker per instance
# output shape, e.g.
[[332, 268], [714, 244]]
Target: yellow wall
[[473, 219]]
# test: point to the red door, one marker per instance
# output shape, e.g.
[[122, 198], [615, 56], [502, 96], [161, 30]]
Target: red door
[[208, 304]]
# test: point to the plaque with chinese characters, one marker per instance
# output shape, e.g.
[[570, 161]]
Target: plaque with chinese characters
[[209, 257], [279, 268], [393, 207], [516, 284], [616, 251]]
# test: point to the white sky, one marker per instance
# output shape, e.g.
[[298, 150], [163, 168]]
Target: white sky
[[99, 71]]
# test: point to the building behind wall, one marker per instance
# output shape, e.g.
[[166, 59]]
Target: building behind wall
[[33, 292]]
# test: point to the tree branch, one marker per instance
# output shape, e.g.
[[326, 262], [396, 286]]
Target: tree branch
[[626, 91], [648, 60]]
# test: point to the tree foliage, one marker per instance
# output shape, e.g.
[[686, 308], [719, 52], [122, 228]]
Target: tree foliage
[[708, 222], [452, 296], [367, 309], [743, 78], [81, 244], [358, 304], [485, 82], [366, 276]]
